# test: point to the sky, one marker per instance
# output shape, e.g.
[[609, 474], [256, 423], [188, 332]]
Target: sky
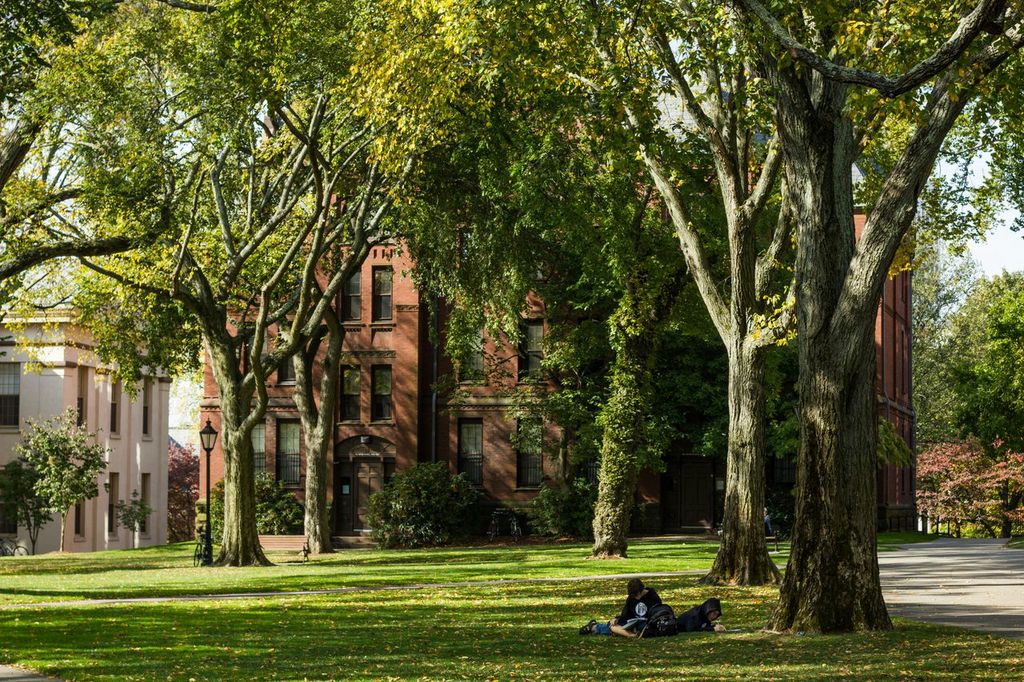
[[1002, 250]]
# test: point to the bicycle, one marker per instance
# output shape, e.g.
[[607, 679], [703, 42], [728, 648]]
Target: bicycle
[[514, 529], [197, 556], [12, 548]]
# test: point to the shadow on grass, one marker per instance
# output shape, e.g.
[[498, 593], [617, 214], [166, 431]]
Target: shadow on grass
[[509, 632]]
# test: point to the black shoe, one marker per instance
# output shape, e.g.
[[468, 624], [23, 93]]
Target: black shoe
[[588, 629]]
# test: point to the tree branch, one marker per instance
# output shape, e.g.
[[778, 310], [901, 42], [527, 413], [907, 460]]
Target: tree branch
[[891, 86]]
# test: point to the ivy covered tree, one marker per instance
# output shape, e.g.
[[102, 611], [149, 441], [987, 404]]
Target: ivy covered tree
[[67, 461]]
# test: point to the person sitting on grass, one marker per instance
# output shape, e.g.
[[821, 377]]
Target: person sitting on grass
[[640, 600], [702, 618]]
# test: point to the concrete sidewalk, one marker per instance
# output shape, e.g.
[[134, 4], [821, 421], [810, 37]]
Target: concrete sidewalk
[[976, 584], [9, 674]]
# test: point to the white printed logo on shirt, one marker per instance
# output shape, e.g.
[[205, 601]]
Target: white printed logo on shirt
[[641, 609]]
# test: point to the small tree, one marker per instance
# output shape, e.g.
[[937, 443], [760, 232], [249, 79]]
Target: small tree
[[182, 492], [17, 488], [66, 461], [132, 515]]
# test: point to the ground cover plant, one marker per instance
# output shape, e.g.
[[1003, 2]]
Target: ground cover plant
[[505, 632]]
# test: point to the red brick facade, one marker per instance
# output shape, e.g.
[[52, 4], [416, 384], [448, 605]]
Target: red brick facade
[[378, 431], [375, 434]]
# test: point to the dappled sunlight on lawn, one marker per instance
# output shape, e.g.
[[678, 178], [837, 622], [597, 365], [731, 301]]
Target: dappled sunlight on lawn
[[506, 632]]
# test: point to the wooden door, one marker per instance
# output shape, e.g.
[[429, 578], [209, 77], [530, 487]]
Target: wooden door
[[696, 488], [343, 494], [369, 478]]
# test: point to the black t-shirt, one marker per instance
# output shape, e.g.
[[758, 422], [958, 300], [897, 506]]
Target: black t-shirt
[[638, 608]]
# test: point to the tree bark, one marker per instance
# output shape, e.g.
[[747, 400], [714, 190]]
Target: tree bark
[[831, 582], [63, 520], [743, 557], [317, 426], [240, 545]]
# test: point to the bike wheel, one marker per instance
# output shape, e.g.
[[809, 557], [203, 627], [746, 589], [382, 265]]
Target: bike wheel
[[20, 551], [197, 557]]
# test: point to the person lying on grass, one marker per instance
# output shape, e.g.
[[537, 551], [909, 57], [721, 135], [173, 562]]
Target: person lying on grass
[[659, 621], [702, 618], [640, 599]]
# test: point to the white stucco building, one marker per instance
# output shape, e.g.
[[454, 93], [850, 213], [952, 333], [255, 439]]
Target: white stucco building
[[48, 366]]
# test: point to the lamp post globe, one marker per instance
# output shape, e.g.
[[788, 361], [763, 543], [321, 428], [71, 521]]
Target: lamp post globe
[[208, 438]]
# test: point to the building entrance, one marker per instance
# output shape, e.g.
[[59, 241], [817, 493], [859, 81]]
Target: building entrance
[[687, 491], [361, 466]]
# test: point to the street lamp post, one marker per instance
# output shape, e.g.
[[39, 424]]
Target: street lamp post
[[208, 437]]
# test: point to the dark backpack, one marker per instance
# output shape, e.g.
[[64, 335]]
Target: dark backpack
[[661, 622]]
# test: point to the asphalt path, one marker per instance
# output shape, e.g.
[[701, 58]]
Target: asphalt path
[[975, 584]]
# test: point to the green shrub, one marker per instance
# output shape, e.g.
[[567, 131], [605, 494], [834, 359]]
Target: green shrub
[[564, 510], [277, 510], [421, 507]]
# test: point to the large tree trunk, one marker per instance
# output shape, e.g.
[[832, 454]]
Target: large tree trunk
[[743, 557], [317, 426], [831, 582], [624, 437], [240, 545]]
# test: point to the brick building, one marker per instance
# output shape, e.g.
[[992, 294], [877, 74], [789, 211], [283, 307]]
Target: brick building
[[391, 416]]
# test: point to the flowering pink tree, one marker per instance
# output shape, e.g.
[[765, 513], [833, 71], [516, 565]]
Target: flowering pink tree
[[182, 491], [963, 482]]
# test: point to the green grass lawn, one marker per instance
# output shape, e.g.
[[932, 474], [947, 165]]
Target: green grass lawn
[[168, 570], [505, 633], [892, 540]]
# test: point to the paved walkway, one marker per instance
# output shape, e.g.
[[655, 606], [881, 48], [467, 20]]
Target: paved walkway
[[9, 674], [976, 584]]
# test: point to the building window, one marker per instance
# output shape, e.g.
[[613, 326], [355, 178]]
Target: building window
[[80, 518], [286, 372], [529, 447], [288, 452], [591, 470], [351, 299], [113, 485], [382, 293], [471, 449], [147, 402], [144, 526], [380, 408], [531, 349], [115, 407], [82, 403], [10, 393], [471, 369], [259, 449], [350, 394]]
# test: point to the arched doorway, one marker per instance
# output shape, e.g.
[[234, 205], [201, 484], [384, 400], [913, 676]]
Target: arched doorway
[[361, 466]]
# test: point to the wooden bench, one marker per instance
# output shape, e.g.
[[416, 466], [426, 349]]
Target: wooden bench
[[773, 538], [285, 543]]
